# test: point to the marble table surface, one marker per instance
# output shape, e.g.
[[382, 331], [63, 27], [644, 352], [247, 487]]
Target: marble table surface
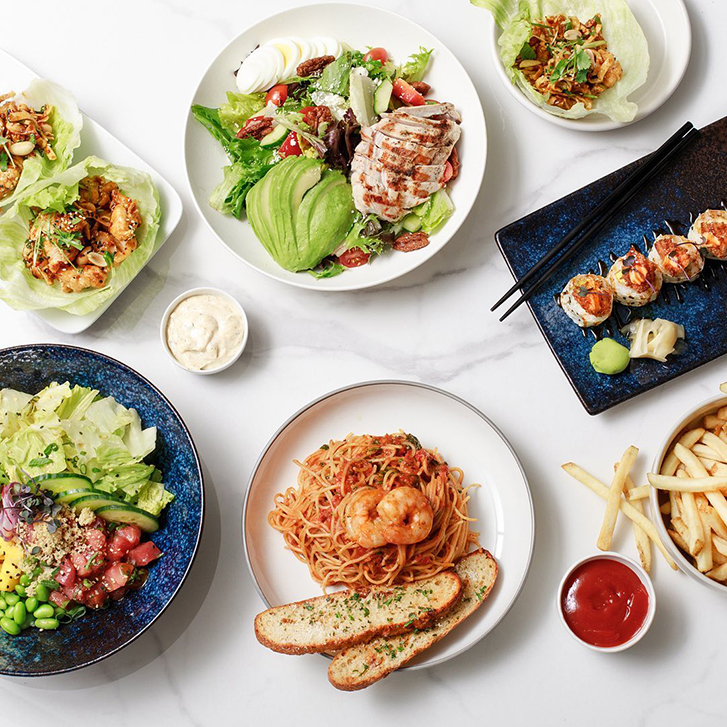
[[133, 67]]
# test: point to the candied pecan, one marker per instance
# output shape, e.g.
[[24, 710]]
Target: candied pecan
[[314, 116], [256, 127], [314, 65], [421, 87], [410, 241], [454, 161]]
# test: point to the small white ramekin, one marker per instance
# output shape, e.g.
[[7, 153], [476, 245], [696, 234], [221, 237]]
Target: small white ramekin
[[690, 420], [189, 294], [643, 577]]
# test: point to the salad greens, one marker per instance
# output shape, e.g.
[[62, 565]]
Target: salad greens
[[76, 430], [415, 68], [20, 290], [239, 108], [621, 31], [66, 121]]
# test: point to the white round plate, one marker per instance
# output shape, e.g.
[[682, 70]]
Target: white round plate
[[464, 436], [669, 34], [359, 26]]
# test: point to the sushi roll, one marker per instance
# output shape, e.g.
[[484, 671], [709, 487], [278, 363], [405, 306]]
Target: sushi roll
[[677, 257], [635, 280], [587, 300], [709, 233]]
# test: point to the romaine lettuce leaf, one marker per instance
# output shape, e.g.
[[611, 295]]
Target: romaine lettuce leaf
[[437, 209], [621, 31], [239, 108], [66, 121], [20, 290]]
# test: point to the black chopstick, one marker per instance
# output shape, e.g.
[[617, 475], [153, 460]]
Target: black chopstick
[[640, 172], [602, 222]]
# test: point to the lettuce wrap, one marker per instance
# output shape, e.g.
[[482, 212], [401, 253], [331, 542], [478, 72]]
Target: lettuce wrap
[[66, 121], [621, 31], [20, 290]]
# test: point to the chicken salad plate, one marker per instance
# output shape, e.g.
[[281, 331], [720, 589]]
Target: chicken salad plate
[[81, 213], [337, 161], [390, 492]]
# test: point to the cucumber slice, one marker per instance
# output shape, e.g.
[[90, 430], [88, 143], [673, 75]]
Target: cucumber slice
[[62, 482], [94, 499], [274, 136], [412, 223], [68, 496], [130, 515], [382, 96]]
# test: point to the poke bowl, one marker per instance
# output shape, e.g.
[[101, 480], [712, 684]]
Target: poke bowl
[[100, 614]]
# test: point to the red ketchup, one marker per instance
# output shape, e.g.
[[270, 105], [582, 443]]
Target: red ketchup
[[604, 602]]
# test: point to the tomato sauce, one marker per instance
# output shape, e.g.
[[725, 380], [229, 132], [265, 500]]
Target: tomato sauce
[[604, 602]]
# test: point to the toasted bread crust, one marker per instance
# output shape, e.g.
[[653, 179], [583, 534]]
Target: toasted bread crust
[[347, 618], [377, 659]]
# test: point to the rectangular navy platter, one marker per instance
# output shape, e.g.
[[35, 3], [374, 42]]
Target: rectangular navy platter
[[692, 182]]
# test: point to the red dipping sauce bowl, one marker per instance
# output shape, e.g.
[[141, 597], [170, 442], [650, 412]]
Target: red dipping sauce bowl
[[606, 602]]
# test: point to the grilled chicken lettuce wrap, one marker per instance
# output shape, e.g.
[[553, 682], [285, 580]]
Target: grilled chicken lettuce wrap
[[39, 131], [76, 240], [573, 58]]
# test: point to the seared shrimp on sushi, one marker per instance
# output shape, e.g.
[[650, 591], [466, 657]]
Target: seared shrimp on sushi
[[587, 300], [677, 257], [635, 279], [709, 233]]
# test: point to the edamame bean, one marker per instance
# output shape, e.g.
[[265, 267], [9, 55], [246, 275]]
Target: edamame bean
[[11, 598], [9, 626], [3, 604], [31, 604], [25, 580], [47, 624], [19, 613], [37, 571], [42, 593], [28, 621], [20, 590], [44, 611]]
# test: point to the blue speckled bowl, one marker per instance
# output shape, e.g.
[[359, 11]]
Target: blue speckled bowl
[[102, 633]]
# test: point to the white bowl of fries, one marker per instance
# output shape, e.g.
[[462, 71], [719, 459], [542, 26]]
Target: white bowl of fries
[[689, 482]]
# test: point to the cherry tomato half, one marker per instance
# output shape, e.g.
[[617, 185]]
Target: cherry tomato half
[[354, 257], [448, 172], [277, 94], [290, 147], [377, 54], [407, 93]]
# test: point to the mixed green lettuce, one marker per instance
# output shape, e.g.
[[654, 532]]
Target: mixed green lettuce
[[66, 121], [75, 429], [20, 290], [621, 31]]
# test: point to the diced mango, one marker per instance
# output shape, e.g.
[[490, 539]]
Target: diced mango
[[10, 571]]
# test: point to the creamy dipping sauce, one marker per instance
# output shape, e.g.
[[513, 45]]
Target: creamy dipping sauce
[[204, 332]]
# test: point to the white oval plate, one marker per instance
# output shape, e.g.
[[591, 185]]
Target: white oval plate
[[465, 437], [360, 27], [669, 34]]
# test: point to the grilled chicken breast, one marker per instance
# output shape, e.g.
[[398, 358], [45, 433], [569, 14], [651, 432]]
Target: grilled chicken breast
[[399, 162]]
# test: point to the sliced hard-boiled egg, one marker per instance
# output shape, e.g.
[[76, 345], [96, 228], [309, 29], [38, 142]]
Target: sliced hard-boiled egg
[[306, 49], [327, 46], [291, 52], [249, 75], [271, 62]]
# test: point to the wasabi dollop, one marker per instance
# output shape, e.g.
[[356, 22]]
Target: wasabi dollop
[[609, 357]]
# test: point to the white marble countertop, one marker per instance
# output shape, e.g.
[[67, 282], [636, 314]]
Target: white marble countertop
[[133, 68]]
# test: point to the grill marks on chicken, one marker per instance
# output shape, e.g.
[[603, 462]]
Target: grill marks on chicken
[[399, 162], [77, 248]]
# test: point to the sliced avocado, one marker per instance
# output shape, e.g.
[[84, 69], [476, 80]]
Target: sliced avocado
[[257, 205]]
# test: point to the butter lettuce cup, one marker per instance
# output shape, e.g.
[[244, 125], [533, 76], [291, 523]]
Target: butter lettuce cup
[[74, 241], [204, 330], [606, 602]]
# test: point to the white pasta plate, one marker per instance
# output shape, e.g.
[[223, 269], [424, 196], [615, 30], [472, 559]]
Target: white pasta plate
[[464, 436], [96, 141], [360, 27], [668, 33]]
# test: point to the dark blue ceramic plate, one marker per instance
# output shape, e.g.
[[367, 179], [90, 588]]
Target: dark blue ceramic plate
[[102, 633], [696, 180]]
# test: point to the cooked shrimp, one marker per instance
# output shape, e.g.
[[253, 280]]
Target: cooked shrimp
[[74, 280], [9, 180], [406, 516], [362, 520]]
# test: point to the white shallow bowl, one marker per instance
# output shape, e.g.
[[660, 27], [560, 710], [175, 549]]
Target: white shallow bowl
[[359, 26], [189, 294], [465, 437], [669, 34], [691, 419], [643, 577]]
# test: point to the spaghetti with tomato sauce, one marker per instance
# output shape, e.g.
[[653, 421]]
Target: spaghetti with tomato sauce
[[316, 517]]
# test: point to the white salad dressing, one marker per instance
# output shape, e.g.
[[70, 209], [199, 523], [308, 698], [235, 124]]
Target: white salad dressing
[[204, 332]]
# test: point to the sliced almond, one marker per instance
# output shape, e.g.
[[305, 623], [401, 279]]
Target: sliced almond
[[21, 148], [529, 64], [96, 258], [572, 34]]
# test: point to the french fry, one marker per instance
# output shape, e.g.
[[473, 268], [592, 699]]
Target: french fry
[[719, 573], [705, 561], [693, 466], [713, 441], [674, 504], [626, 507], [688, 440], [679, 526], [638, 493], [711, 421], [643, 545], [717, 557], [715, 469], [614, 498], [722, 413], [693, 522], [720, 544], [704, 483], [680, 542], [665, 508], [704, 451], [717, 501], [710, 514]]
